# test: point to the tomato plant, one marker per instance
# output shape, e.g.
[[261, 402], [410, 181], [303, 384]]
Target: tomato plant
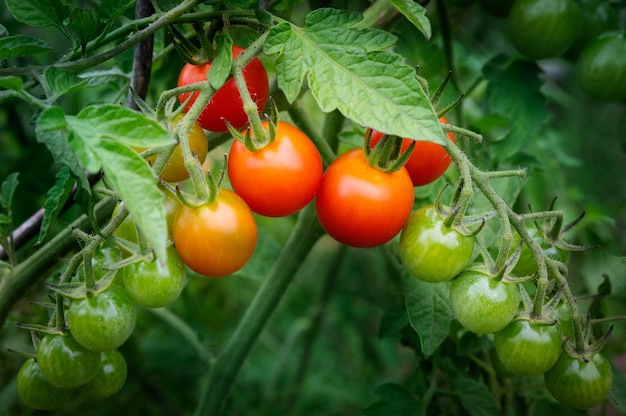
[[109, 378], [226, 104], [152, 285], [482, 304], [579, 383], [427, 162], [360, 205], [544, 28], [174, 169], [526, 264], [104, 321], [431, 250], [36, 391], [601, 67], [527, 348], [218, 238], [64, 362], [279, 179]]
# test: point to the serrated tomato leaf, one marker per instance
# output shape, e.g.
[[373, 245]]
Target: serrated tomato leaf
[[39, 13], [57, 196], [429, 311], [63, 82], [21, 45], [220, 68], [350, 69]]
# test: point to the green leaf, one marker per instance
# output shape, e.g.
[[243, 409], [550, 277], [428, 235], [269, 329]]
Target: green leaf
[[350, 69], [121, 124], [514, 93], [220, 68], [9, 185], [11, 83], [21, 45], [394, 400], [429, 311], [133, 179], [415, 13], [57, 196], [86, 24], [112, 9], [393, 321], [3, 32], [476, 398], [63, 82], [39, 13]]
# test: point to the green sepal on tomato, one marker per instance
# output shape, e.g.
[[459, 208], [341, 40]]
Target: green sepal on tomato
[[428, 161], [577, 383], [36, 391], [216, 238], [64, 362], [528, 348], [226, 103], [482, 303], [279, 179], [360, 205], [103, 322], [431, 250], [543, 29], [152, 285]]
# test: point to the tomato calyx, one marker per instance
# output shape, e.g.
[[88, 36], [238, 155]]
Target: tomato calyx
[[252, 138], [387, 154], [453, 215], [187, 50]]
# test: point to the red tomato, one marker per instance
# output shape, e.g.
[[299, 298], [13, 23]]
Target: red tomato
[[226, 104], [218, 238], [360, 205], [279, 179], [427, 162]]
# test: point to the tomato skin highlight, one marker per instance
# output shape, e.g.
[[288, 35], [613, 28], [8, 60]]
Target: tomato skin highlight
[[36, 391], [427, 163], [482, 304], [64, 362], [526, 348], [279, 179], [544, 28], [226, 103], [218, 238], [431, 251], [579, 384], [362, 206]]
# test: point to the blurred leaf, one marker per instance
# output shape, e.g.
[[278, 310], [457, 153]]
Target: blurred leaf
[[415, 13], [471, 343], [476, 398], [11, 83], [21, 45], [63, 82], [8, 190], [220, 68], [86, 24], [39, 13], [429, 311], [112, 9], [514, 92], [57, 196], [394, 400], [349, 69], [393, 321]]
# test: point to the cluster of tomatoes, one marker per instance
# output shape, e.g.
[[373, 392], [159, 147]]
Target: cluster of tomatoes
[[584, 31]]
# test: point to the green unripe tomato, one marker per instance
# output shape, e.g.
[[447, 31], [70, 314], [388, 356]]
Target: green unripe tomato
[[526, 264], [430, 250], [36, 391], [103, 322], [601, 67], [154, 286], [544, 28], [482, 304], [64, 362], [528, 348], [110, 377], [579, 384]]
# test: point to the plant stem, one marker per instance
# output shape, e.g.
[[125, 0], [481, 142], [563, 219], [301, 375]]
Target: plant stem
[[229, 361], [14, 285]]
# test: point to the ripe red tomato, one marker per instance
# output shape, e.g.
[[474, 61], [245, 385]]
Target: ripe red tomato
[[279, 179], [427, 162], [226, 104], [360, 205], [218, 238]]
